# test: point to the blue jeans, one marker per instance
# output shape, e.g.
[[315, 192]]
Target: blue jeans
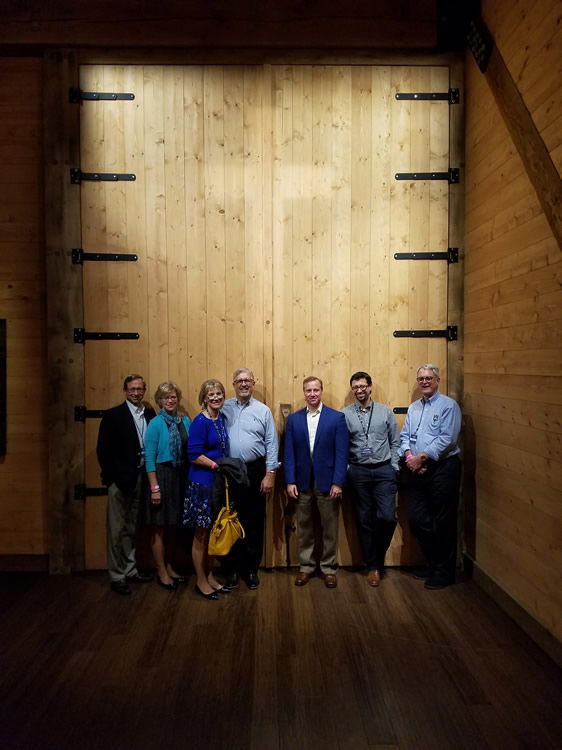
[[374, 496]]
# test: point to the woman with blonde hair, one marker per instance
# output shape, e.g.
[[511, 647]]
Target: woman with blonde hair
[[167, 467], [208, 442]]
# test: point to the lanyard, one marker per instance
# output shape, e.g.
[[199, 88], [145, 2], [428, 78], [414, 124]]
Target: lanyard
[[360, 417], [415, 435]]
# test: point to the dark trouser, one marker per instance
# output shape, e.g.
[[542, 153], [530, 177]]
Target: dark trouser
[[432, 514], [245, 556], [374, 497]]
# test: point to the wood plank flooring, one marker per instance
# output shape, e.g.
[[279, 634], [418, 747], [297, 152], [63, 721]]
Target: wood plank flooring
[[281, 668]]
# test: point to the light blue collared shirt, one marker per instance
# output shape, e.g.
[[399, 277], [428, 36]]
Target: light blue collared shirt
[[252, 432], [432, 427]]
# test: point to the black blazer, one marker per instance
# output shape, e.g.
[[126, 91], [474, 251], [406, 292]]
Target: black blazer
[[118, 447]]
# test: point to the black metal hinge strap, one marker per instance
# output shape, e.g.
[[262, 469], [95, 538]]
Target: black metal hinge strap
[[81, 414], [449, 333], [80, 335], [452, 176], [452, 96], [75, 96], [77, 176], [79, 256], [81, 492], [451, 256]]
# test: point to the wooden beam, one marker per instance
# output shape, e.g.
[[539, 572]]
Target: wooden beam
[[64, 313], [177, 23], [531, 148]]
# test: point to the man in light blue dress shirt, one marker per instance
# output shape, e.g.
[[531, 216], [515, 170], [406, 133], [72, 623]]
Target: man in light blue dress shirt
[[429, 446], [253, 438]]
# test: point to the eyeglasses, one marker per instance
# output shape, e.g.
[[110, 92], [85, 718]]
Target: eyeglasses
[[244, 381], [426, 380], [360, 387], [136, 390], [169, 398]]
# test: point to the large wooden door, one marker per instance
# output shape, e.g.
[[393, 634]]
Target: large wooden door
[[265, 215]]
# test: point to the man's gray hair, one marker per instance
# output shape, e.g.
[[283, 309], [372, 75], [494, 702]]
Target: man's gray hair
[[240, 370], [429, 366]]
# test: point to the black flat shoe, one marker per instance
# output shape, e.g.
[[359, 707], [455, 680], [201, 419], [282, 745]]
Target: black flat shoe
[[167, 586], [178, 579], [223, 590], [212, 595], [121, 587]]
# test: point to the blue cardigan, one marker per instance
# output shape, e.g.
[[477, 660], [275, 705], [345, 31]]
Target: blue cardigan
[[156, 442]]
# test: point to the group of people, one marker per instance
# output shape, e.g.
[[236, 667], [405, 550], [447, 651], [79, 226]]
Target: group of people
[[175, 468]]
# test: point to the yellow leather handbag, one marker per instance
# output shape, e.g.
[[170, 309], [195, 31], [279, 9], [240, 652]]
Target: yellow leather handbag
[[227, 529]]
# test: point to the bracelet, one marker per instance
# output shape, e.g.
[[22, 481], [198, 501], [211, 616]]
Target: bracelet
[[214, 466], [155, 488]]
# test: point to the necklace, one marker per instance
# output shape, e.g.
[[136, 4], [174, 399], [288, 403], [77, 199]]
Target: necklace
[[221, 430]]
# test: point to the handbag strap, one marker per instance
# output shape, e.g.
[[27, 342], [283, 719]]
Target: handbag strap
[[226, 494]]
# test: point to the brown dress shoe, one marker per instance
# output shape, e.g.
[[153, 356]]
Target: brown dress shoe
[[302, 579], [330, 581], [374, 578]]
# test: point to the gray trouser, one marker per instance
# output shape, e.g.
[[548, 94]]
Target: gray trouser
[[122, 512], [328, 509]]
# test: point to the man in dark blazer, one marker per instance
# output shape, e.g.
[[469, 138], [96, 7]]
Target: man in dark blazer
[[120, 452], [316, 454]]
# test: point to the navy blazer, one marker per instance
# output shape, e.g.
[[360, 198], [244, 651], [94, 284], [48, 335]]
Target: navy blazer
[[118, 447], [330, 454]]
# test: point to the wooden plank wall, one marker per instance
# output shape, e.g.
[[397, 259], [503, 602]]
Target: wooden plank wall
[[265, 215], [513, 306], [23, 471]]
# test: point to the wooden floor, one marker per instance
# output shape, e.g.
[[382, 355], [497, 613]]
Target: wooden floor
[[280, 668]]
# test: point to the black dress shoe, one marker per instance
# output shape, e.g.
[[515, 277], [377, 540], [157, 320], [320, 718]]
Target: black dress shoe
[[252, 580], [139, 578], [422, 574], [233, 580], [121, 587], [212, 595], [436, 582], [167, 586], [178, 579]]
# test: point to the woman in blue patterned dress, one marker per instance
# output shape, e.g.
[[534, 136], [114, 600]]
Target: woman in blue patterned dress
[[208, 441]]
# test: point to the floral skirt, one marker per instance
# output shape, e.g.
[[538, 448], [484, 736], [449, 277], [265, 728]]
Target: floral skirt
[[197, 506]]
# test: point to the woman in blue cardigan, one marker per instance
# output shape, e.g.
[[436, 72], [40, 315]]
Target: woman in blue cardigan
[[166, 466]]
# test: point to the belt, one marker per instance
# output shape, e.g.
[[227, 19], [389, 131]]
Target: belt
[[371, 466], [255, 460]]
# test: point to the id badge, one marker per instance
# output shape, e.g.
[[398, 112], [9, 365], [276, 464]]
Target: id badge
[[366, 451]]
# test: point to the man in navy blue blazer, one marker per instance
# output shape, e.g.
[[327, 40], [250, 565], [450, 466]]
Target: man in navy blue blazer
[[316, 454]]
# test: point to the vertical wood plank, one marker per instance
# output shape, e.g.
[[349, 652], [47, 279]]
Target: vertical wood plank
[[215, 221], [195, 238], [64, 313], [155, 205], [255, 285], [176, 235], [341, 249], [235, 221]]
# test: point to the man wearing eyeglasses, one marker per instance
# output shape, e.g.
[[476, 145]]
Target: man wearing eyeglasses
[[372, 472], [429, 446], [120, 451], [253, 438]]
